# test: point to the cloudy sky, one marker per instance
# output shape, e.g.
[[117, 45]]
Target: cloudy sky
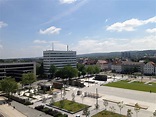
[[28, 27]]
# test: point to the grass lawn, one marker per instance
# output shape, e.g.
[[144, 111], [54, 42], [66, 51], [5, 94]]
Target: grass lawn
[[105, 113], [140, 86], [70, 105]]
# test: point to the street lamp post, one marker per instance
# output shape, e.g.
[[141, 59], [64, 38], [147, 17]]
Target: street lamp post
[[96, 105]]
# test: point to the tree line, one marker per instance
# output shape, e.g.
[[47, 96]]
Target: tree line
[[8, 85], [68, 71]]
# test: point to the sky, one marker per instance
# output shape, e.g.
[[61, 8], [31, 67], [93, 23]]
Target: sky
[[29, 27]]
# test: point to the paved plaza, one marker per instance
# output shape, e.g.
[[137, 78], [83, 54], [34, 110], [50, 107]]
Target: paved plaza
[[145, 99], [129, 97]]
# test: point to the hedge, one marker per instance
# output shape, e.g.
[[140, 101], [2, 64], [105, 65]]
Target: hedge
[[49, 111]]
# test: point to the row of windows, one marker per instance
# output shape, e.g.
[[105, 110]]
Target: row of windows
[[16, 68], [13, 66], [59, 53], [58, 66], [67, 53], [62, 64], [60, 61], [62, 58], [47, 68], [149, 69], [148, 72]]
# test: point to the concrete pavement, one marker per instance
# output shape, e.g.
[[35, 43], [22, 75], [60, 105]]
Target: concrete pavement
[[8, 111], [127, 96], [28, 111]]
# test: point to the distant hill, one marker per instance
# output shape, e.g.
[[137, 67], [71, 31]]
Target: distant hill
[[134, 54]]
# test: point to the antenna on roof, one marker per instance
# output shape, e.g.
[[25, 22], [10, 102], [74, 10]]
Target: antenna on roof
[[53, 46], [67, 48]]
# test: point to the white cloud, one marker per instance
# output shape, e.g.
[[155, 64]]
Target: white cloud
[[48, 45], [151, 20], [35, 50], [2, 24], [106, 20], [151, 30], [67, 12], [40, 41], [130, 25], [114, 45], [45, 42], [89, 45], [50, 30], [67, 1]]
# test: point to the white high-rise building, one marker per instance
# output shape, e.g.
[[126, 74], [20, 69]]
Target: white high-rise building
[[58, 59]]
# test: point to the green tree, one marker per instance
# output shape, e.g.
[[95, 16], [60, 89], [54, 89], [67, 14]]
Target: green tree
[[80, 67], [2, 61], [67, 72], [90, 70], [79, 74], [96, 69], [83, 73], [28, 78], [59, 73], [40, 70], [8, 85], [52, 71]]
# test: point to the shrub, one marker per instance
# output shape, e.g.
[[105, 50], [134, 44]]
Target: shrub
[[23, 101], [49, 111], [30, 95], [39, 107]]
